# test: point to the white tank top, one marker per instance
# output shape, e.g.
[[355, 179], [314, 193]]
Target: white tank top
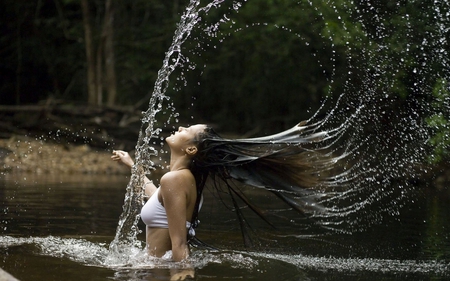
[[153, 214]]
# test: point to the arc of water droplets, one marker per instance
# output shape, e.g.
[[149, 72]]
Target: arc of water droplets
[[375, 183]]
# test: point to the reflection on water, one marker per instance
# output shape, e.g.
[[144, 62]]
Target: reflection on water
[[72, 205], [66, 225]]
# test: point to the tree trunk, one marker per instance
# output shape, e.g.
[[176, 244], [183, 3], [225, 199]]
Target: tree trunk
[[91, 77], [101, 64], [109, 54], [99, 73], [19, 56], [19, 65]]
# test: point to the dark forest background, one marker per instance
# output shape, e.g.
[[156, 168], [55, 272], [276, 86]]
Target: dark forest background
[[101, 57]]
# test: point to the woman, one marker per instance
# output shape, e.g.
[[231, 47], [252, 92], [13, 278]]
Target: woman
[[169, 211], [291, 164]]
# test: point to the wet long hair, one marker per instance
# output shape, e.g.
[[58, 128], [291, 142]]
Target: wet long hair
[[293, 164]]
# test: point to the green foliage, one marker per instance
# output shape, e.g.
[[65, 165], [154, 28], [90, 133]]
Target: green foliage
[[264, 69], [143, 34], [259, 68], [440, 122], [45, 54]]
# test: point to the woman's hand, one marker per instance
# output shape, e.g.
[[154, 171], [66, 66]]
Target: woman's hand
[[125, 158], [122, 156]]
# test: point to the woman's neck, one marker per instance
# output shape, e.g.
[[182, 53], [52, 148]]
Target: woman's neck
[[179, 163]]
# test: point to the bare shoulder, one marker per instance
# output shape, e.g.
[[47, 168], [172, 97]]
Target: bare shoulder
[[179, 179]]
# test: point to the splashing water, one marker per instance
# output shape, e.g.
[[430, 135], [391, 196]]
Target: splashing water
[[93, 254], [382, 147], [395, 140], [127, 229]]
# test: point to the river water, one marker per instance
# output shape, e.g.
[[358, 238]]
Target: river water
[[388, 224], [59, 228]]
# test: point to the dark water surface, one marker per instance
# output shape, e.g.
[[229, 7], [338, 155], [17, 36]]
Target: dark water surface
[[59, 228]]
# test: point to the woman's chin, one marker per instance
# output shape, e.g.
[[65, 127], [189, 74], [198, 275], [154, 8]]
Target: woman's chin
[[169, 139]]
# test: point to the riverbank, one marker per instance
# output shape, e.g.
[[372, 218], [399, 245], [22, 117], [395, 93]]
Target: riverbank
[[20, 154]]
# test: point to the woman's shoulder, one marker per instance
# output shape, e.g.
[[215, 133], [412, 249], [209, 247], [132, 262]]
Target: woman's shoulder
[[177, 184], [180, 177]]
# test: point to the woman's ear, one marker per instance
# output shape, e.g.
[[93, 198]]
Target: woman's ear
[[191, 150]]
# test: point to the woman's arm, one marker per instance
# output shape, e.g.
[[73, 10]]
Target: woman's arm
[[122, 156], [125, 158], [174, 196]]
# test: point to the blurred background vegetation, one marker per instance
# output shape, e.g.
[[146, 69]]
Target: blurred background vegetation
[[279, 60]]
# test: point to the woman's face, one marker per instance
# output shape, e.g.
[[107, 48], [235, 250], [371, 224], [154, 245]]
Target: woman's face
[[184, 136]]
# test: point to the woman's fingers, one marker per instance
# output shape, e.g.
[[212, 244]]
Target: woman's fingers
[[117, 155], [122, 156]]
